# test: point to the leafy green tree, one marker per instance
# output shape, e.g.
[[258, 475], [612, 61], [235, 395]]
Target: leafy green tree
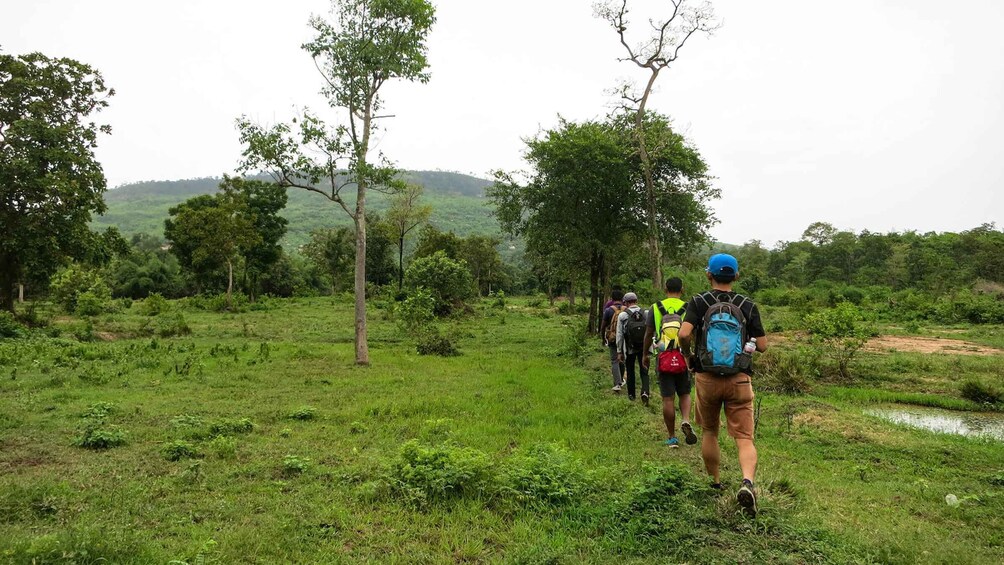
[[448, 281], [577, 202], [211, 232], [481, 254], [331, 251], [263, 201], [656, 54], [147, 268], [431, 240], [50, 180], [370, 43], [404, 215]]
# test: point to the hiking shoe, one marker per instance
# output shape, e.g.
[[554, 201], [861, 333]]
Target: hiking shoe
[[644, 399], [746, 497], [672, 443], [617, 388], [688, 432]]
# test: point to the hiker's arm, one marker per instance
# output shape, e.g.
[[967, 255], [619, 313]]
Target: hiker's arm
[[756, 330], [686, 335], [620, 335]]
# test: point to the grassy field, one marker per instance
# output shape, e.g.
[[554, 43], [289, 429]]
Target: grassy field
[[255, 439]]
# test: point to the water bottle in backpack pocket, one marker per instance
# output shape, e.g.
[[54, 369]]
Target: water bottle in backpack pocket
[[721, 350]]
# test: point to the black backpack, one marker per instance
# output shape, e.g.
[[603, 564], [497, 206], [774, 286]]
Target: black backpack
[[634, 329]]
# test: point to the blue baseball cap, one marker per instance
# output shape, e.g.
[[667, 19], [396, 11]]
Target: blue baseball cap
[[723, 264]]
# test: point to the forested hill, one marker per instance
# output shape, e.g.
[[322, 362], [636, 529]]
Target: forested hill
[[457, 200]]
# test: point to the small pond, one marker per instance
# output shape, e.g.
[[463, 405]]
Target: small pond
[[973, 424]]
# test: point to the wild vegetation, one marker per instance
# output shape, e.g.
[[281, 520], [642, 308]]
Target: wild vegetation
[[255, 437]]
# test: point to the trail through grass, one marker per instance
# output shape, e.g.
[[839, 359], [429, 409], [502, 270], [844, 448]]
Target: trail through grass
[[255, 439]]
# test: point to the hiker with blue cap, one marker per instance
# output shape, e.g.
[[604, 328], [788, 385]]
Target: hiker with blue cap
[[723, 329]]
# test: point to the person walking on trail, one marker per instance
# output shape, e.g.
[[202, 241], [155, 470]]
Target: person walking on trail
[[724, 329], [608, 329], [631, 345], [671, 366]]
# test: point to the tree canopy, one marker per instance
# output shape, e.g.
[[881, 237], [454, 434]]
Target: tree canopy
[[50, 181]]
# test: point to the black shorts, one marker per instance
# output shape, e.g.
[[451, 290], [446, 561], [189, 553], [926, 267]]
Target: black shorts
[[670, 384]]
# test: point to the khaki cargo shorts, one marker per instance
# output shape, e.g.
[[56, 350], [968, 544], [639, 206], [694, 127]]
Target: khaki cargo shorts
[[735, 393]]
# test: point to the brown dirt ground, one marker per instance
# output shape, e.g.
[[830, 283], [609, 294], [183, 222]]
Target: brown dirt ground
[[910, 344]]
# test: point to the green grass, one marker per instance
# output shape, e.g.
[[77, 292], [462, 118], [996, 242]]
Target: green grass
[[256, 439]]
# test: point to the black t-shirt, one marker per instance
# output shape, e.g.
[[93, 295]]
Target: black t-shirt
[[699, 304]]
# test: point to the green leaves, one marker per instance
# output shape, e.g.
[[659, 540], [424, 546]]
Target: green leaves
[[50, 181]]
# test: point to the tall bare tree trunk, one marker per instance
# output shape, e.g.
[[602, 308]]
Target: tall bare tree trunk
[[20, 293], [400, 263], [594, 290], [230, 284], [655, 247], [362, 347]]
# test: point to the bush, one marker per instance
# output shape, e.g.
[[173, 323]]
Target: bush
[[448, 281], [840, 334], [68, 284], [982, 393], [231, 426], [417, 310], [90, 304], [96, 436], [303, 413], [787, 372], [545, 475], [175, 325], [293, 465], [154, 304], [178, 450], [432, 343], [9, 326], [497, 300], [423, 474]]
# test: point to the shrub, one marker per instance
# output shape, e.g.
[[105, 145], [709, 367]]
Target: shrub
[[448, 281], [840, 334], [90, 304], [224, 447], [68, 284], [545, 475], [303, 413], [174, 325], [417, 310], [432, 343], [423, 474], [231, 426], [9, 326], [293, 465], [95, 435], [178, 450], [497, 300], [980, 392], [154, 304], [787, 372]]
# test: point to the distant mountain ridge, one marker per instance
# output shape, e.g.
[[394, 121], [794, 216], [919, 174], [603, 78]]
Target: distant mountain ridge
[[457, 200]]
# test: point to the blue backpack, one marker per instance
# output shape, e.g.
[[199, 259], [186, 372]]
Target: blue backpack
[[721, 347]]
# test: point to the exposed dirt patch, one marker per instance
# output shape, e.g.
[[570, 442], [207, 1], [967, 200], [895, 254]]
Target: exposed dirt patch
[[106, 336], [911, 344]]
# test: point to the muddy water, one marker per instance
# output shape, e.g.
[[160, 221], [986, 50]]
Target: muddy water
[[973, 424]]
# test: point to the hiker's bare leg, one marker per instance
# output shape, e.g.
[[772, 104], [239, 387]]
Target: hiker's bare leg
[[711, 454], [669, 414], [747, 458], [685, 407]]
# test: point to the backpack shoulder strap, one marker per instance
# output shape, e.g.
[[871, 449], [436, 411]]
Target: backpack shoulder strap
[[662, 309], [704, 297]]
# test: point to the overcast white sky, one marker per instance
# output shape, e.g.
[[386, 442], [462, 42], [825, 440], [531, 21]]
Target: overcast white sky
[[869, 114]]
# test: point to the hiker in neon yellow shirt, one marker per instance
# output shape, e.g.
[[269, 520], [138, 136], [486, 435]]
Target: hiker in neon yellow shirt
[[671, 371]]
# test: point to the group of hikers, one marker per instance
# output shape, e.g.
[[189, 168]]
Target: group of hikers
[[712, 338]]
